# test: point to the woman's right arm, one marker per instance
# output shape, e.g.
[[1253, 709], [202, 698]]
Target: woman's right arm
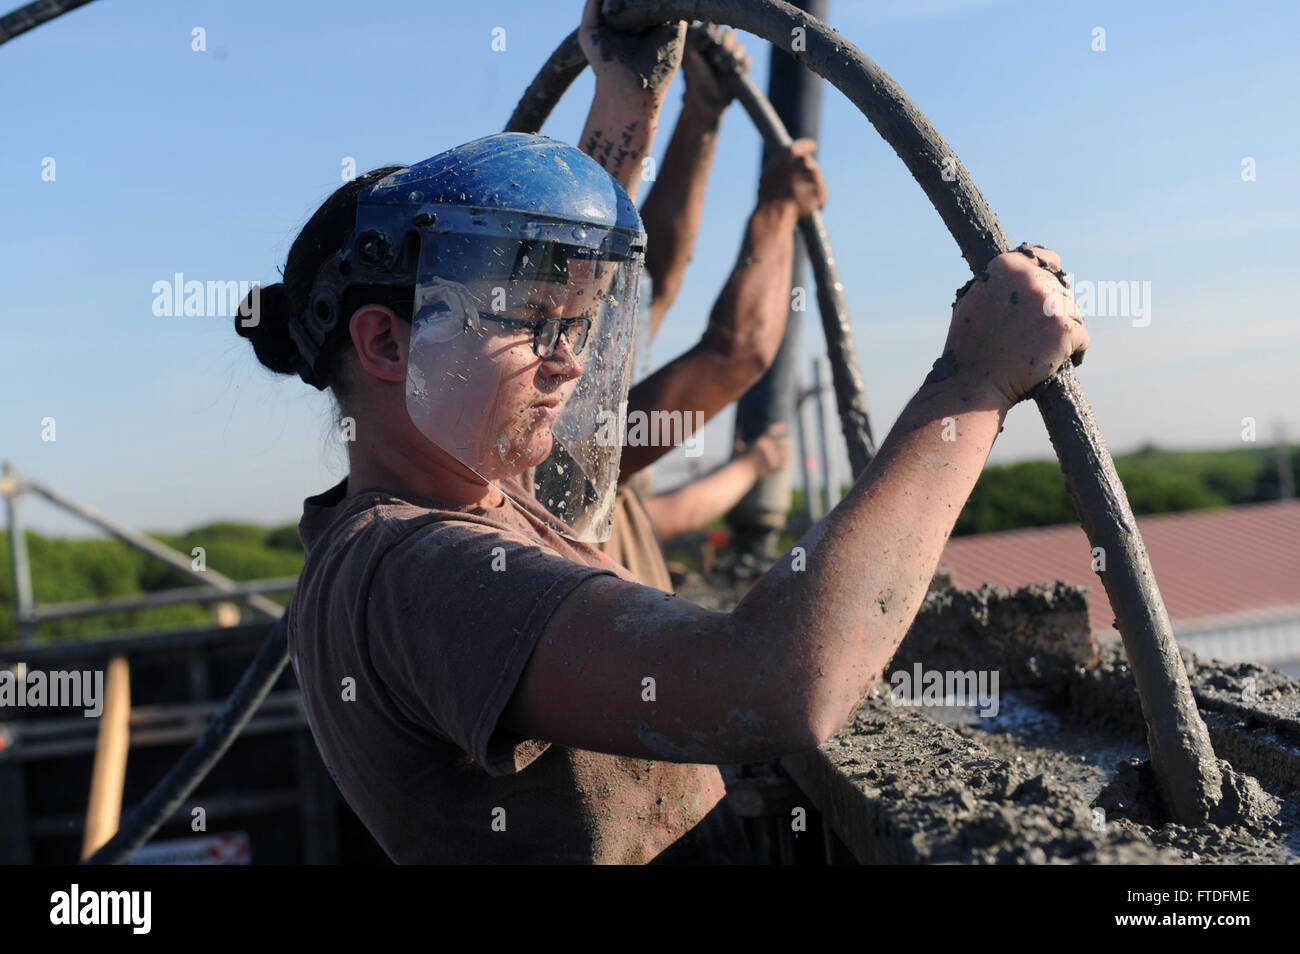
[[629, 670]]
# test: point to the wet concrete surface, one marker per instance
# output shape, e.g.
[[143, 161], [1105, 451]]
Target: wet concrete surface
[[901, 788], [923, 785], [1061, 773], [1111, 772]]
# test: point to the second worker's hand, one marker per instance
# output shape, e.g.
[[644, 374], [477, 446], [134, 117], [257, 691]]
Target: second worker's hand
[[704, 89], [793, 180], [770, 451]]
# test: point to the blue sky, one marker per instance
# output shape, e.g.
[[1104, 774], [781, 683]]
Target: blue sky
[[1127, 161]]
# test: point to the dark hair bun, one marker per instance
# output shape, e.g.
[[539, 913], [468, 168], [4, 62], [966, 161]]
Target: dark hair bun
[[326, 232], [270, 335]]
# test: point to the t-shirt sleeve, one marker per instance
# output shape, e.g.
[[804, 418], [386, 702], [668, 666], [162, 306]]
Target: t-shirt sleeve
[[454, 613]]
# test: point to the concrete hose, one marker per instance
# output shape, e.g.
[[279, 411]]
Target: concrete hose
[[1181, 754], [32, 15], [177, 785]]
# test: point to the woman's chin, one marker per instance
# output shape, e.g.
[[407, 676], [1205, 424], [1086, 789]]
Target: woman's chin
[[518, 456]]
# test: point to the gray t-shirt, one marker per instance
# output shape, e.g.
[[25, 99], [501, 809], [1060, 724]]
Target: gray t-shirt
[[408, 645]]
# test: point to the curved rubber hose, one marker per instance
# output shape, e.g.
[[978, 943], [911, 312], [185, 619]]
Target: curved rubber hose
[[541, 97], [33, 15], [1181, 753], [169, 794], [556, 75]]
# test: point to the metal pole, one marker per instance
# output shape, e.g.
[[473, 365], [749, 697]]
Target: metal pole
[[1285, 475], [825, 421], [20, 569], [811, 497], [169, 794], [189, 594], [759, 517], [150, 546]]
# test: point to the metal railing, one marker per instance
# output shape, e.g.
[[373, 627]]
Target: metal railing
[[249, 596]]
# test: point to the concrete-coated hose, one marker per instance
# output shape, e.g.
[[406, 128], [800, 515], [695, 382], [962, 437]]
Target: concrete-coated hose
[[31, 15], [169, 794], [1181, 753]]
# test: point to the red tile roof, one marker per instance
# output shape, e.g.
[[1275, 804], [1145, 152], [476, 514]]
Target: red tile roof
[[1207, 562]]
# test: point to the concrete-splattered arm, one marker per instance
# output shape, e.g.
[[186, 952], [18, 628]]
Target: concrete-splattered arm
[[632, 76]]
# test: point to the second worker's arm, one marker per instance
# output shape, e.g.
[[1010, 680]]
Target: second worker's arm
[[748, 319], [675, 205], [694, 505]]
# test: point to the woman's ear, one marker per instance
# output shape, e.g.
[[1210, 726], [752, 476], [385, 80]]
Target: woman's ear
[[381, 340]]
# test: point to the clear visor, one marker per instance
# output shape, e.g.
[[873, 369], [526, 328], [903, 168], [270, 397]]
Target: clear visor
[[520, 361]]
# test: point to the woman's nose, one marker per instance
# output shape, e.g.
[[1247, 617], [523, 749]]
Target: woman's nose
[[562, 362]]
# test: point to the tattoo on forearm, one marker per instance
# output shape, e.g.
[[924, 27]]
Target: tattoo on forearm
[[602, 149]]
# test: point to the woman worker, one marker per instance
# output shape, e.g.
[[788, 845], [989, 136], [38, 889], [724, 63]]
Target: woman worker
[[483, 683]]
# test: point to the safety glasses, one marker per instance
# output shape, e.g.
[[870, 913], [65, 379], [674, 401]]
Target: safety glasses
[[546, 333]]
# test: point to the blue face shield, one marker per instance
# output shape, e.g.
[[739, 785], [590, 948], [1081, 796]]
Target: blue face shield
[[520, 361], [524, 258]]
